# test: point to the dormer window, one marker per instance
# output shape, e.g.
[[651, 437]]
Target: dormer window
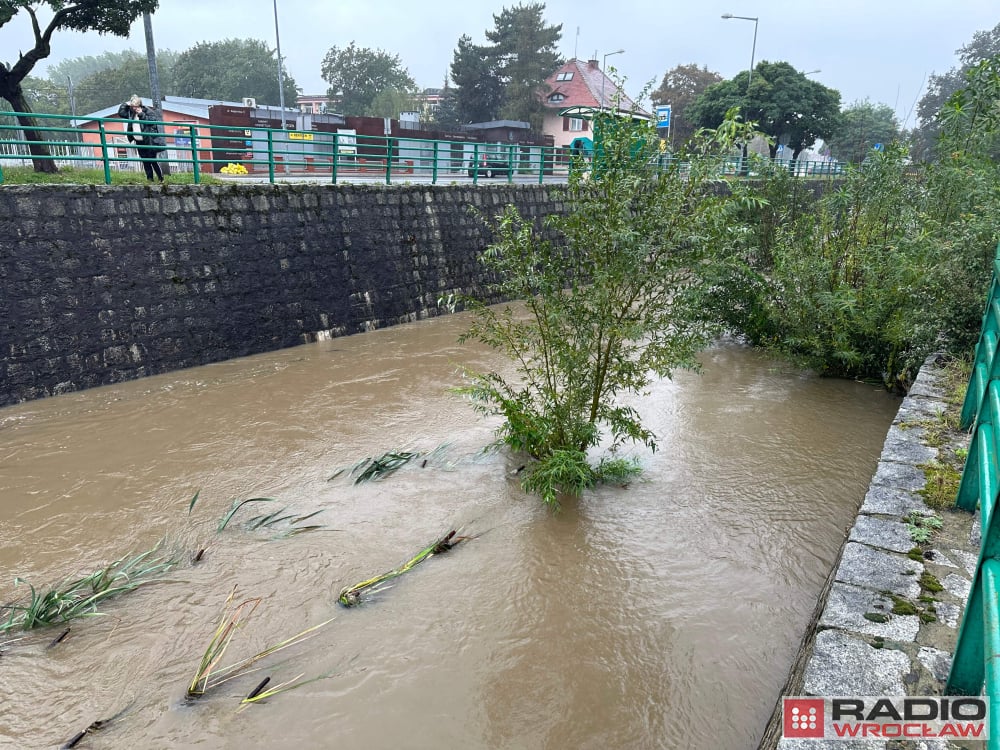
[[556, 98], [568, 76]]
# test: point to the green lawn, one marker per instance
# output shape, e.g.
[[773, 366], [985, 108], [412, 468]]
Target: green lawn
[[73, 176]]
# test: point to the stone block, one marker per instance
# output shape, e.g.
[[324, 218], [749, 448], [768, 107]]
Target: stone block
[[878, 570], [842, 664]]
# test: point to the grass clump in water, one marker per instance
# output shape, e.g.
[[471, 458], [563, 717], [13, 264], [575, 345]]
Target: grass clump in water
[[80, 597], [374, 468], [234, 619]]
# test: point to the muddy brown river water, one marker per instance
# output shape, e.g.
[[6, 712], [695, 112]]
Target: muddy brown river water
[[662, 615]]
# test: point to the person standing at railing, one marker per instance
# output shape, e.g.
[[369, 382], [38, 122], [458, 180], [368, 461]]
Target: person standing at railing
[[145, 134]]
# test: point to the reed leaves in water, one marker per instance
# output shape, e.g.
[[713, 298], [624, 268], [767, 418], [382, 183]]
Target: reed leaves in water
[[374, 468], [80, 597], [351, 595], [265, 520], [210, 675]]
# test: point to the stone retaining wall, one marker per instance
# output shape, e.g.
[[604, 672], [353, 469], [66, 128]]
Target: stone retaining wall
[[103, 284]]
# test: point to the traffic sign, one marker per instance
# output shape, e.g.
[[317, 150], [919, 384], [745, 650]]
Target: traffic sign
[[663, 116]]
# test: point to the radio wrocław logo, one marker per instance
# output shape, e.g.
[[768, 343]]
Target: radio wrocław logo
[[886, 716]]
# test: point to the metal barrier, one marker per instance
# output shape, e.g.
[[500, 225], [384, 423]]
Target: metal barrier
[[311, 155], [977, 650]]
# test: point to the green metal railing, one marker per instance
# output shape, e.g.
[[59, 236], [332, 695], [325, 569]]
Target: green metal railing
[[977, 651], [317, 155]]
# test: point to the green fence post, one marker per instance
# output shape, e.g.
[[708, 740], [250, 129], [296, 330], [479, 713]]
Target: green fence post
[[475, 164], [104, 152], [434, 166], [336, 154], [270, 155], [388, 160], [195, 165]]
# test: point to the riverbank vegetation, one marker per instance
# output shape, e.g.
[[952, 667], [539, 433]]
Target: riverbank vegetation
[[872, 277], [863, 281]]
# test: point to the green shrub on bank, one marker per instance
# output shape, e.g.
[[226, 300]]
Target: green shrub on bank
[[872, 277]]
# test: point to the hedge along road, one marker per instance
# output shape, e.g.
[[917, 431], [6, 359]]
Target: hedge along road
[[663, 615]]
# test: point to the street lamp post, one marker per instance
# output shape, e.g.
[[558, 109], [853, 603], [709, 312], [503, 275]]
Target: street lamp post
[[281, 77], [753, 50], [604, 75]]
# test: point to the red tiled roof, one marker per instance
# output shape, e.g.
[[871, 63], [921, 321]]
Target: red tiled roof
[[584, 89]]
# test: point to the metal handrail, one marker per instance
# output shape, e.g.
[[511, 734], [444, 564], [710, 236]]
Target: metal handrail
[[278, 154], [976, 662]]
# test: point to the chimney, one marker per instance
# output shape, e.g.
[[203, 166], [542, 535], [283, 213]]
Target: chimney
[[592, 64]]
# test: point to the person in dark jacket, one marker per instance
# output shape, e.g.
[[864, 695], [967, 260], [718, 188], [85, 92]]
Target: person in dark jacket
[[145, 135]]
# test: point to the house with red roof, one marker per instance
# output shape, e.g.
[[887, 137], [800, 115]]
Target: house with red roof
[[580, 84]]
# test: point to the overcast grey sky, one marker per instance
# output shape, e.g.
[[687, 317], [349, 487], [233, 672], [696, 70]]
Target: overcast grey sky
[[882, 50]]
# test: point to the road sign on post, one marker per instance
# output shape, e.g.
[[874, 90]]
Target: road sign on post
[[663, 116]]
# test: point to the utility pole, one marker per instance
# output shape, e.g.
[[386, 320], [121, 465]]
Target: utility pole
[[72, 104], [281, 75], [154, 77]]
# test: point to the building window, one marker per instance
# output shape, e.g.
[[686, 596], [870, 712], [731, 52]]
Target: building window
[[575, 123], [564, 77], [556, 98]]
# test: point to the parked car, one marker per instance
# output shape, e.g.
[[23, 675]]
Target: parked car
[[490, 167]]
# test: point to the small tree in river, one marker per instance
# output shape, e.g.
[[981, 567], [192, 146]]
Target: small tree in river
[[611, 305]]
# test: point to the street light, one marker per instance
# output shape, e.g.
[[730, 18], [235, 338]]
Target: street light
[[810, 72], [753, 50], [604, 76], [281, 78]]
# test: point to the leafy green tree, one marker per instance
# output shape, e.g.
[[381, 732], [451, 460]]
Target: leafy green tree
[[784, 103], [47, 96], [356, 76], [984, 45], [97, 82], [524, 53], [861, 126], [479, 92], [230, 70], [680, 87], [391, 102], [103, 16], [79, 68], [608, 305]]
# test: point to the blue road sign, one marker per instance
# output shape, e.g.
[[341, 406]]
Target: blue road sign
[[663, 116]]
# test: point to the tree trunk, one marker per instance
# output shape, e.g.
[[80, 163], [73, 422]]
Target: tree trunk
[[37, 145]]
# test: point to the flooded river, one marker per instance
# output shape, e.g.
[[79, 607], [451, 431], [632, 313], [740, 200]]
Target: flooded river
[[661, 615]]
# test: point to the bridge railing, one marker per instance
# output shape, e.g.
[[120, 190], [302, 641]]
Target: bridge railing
[[236, 151], [977, 651]]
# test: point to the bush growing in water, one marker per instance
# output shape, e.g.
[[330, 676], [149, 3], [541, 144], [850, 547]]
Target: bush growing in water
[[615, 302]]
